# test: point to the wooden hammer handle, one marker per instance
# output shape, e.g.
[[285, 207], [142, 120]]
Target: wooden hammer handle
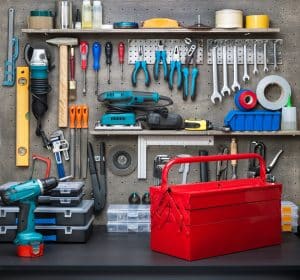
[[63, 87]]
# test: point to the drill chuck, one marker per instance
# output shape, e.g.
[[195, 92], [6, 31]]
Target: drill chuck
[[49, 184]]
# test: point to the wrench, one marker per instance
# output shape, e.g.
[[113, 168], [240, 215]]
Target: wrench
[[235, 86], [225, 78], [275, 55], [255, 69], [246, 77], [216, 94], [266, 69]]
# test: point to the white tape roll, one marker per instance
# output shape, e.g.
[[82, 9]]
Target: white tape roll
[[229, 19], [284, 95]]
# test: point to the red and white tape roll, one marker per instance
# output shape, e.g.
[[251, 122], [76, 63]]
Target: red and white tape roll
[[246, 100]]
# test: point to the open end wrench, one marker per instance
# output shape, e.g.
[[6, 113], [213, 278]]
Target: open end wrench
[[225, 88], [266, 69], [216, 94], [246, 77], [255, 69], [235, 86], [275, 55]]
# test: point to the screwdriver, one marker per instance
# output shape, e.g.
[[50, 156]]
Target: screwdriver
[[121, 52], [233, 151], [108, 55], [84, 51], [96, 63]]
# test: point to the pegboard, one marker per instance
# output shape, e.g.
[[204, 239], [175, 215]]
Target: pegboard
[[250, 50], [150, 45]]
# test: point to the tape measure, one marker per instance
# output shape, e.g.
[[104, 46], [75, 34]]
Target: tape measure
[[197, 125]]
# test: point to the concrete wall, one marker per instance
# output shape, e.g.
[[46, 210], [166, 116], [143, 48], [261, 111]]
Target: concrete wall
[[283, 14]]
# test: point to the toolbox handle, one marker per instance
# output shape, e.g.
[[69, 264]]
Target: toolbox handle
[[180, 160]]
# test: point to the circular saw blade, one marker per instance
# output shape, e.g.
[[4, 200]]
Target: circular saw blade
[[121, 160]]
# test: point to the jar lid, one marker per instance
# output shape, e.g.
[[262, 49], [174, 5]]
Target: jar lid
[[41, 13]]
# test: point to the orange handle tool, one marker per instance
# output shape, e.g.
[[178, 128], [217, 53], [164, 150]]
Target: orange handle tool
[[78, 116], [85, 116], [72, 115]]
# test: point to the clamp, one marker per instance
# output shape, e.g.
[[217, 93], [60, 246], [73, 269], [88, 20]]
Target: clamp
[[160, 56], [140, 63], [175, 66]]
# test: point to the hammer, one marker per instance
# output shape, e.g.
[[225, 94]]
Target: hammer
[[63, 44]]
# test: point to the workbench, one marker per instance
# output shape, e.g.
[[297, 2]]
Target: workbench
[[128, 256]]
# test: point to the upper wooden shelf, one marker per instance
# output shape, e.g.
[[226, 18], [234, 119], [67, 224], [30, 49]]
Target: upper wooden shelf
[[244, 31], [146, 132]]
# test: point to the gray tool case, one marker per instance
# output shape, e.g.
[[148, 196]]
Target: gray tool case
[[59, 216], [59, 201], [66, 234]]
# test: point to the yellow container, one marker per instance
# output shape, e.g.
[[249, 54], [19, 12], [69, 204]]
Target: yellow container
[[257, 21]]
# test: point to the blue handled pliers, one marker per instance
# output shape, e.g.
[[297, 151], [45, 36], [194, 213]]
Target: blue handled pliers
[[140, 64], [160, 56], [175, 66]]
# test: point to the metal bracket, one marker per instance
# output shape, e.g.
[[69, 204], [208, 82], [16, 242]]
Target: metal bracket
[[144, 141], [240, 43], [150, 45]]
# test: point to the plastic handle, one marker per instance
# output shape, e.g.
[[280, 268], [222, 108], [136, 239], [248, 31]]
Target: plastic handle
[[84, 51], [167, 167], [85, 116], [121, 52], [108, 52], [195, 73], [185, 73], [179, 75], [78, 116], [96, 55], [72, 115], [134, 73], [165, 65], [156, 65], [146, 72], [172, 72]]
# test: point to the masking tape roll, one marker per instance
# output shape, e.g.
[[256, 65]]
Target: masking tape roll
[[229, 19], [284, 95], [257, 21], [245, 100]]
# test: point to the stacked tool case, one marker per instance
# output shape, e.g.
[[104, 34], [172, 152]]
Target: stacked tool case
[[62, 216], [128, 218], [289, 216]]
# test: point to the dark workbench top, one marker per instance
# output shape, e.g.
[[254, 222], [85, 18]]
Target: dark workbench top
[[110, 255]]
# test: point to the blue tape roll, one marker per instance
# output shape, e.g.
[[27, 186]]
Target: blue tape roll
[[126, 25]]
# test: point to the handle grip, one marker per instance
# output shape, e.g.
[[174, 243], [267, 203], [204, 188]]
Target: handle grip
[[84, 51], [108, 52], [134, 73], [156, 65], [167, 167], [85, 116], [96, 55], [78, 116], [72, 115], [165, 65], [146, 72], [195, 72], [46, 160], [171, 75], [179, 75], [121, 52], [185, 73]]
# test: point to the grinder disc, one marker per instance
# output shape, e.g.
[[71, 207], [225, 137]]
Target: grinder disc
[[121, 160]]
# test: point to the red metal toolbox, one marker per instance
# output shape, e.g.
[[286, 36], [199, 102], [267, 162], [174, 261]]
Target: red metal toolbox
[[202, 220]]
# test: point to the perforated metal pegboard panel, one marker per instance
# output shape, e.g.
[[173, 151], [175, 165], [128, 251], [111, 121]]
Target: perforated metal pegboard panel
[[250, 50], [150, 45]]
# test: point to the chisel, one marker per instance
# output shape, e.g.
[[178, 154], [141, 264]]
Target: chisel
[[84, 135], [77, 141], [233, 151], [72, 115]]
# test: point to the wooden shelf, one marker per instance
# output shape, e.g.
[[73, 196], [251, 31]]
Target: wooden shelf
[[184, 132], [185, 31]]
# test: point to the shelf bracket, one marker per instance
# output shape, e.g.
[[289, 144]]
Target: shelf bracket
[[145, 141]]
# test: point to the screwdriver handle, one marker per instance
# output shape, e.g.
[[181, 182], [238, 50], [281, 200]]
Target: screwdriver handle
[[96, 55], [84, 51], [233, 150], [78, 116], [108, 52], [85, 116], [121, 52], [72, 115], [72, 64]]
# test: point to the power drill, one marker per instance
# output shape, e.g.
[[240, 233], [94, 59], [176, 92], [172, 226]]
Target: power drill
[[29, 242]]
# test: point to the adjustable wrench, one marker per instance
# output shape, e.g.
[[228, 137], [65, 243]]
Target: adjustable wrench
[[216, 94], [275, 55], [255, 69], [266, 69], [235, 86], [225, 88], [246, 77]]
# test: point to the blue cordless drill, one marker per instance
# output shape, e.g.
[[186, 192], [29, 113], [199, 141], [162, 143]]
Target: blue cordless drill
[[29, 242]]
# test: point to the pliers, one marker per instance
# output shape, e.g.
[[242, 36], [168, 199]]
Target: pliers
[[175, 66], [160, 55], [191, 54], [222, 166], [140, 64]]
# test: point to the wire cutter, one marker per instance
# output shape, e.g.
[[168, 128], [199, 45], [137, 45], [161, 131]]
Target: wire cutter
[[175, 66], [160, 56], [191, 54], [140, 64]]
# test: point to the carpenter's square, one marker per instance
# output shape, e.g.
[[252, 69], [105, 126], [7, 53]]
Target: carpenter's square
[[78, 119], [72, 116], [59, 144], [12, 52], [84, 135]]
